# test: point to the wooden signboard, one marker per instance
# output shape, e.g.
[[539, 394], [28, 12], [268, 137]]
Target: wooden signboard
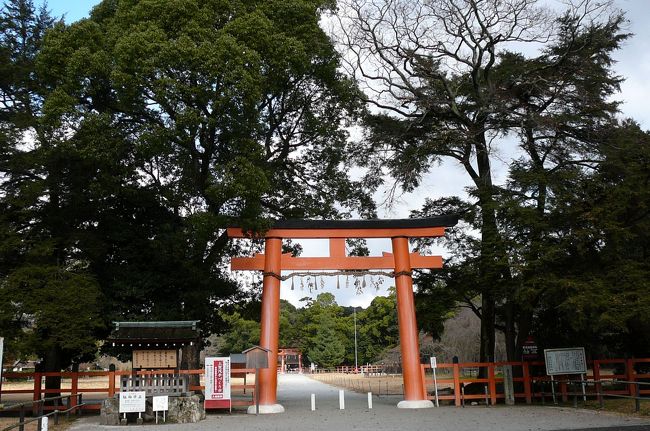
[[565, 361], [155, 359]]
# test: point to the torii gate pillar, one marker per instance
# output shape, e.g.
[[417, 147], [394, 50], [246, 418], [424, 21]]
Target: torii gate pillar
[[270, 327], [273, 262], [415, 395]]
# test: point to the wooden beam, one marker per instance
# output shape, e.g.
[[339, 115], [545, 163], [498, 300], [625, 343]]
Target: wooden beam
[[419, 232], [290, 263], [337, 247]]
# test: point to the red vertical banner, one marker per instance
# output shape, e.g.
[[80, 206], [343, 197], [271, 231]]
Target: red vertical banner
[[217, 383]]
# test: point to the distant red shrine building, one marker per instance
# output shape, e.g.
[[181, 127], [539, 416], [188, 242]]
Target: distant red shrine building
[[289, 360]]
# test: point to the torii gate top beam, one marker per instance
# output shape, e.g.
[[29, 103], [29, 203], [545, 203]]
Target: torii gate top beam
[[318, 229], [337, 231]]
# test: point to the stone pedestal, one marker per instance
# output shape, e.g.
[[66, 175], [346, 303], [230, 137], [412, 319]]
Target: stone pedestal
[[184, 409]]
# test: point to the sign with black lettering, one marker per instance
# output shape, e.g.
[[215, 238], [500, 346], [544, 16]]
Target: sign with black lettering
[[565, 361], [132, 402]]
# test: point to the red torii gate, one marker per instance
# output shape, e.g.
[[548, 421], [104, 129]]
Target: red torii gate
[[273, 262]]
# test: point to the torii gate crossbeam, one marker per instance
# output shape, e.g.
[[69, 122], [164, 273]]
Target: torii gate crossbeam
[[273, 262]]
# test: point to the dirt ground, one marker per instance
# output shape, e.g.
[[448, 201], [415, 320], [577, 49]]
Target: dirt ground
[[387, 384], [294, 393]]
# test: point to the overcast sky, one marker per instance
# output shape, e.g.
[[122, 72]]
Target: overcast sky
[[449, 178]]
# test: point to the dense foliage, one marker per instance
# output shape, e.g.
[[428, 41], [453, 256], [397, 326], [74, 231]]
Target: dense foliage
[[323, 330], [132, 138]]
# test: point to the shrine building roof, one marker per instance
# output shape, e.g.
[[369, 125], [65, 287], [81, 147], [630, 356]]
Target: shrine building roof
[[177, 332]]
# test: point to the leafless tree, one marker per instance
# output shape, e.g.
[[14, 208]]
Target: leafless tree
[[429, 69]]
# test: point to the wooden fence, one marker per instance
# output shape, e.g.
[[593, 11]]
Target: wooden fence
[[531, 381], [243, 394]]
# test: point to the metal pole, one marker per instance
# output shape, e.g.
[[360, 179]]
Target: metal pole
[[355, 341], [435, 387], [553, 390], [584, 391], [22, 418]]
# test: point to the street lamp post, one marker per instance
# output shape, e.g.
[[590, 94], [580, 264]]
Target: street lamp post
[[356, 365]]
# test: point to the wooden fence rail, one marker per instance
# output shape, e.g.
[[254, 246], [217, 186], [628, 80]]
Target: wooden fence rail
[[530, 381], [243, 394]]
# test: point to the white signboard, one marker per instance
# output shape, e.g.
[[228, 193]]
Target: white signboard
[[161, 403], [434, 362], [132, 402], [217, 382], [565, 361]]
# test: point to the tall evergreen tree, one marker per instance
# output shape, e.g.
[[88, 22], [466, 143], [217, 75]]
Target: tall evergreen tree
[[446, 86]]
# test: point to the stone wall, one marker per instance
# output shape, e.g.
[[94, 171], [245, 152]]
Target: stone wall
[[184, 409]]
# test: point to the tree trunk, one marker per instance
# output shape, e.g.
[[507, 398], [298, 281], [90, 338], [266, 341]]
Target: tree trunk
[[510, 330], [489, 250], [191, 360], [52, 362]]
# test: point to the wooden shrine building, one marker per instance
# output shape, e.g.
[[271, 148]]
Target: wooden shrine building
[[155, 345]]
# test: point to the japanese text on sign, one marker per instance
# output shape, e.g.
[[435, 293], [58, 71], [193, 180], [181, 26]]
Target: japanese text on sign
[[217, 378], [565, 361], [132, 402]]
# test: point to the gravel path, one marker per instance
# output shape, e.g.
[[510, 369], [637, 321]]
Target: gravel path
[[294, 394]]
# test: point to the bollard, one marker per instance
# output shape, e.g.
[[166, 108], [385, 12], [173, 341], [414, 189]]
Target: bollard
[[22, 418], [370, 400], [313, 402], [637, 399], [67, 406], [39, 425], [341, 400]]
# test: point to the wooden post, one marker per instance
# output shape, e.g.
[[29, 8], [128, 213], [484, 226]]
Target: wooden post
[[493, 384], [270, 326], [37, 391], [631, 376], [74, 388], [457, 385], [408, 328], [599, 386], [563, 390], [424, 384], [111, 384], [527, 386]]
